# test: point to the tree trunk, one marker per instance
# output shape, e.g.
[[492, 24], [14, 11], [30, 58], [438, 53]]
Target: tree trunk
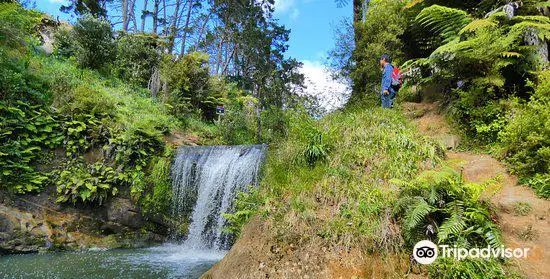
[[164, 29], [143, 16], [186, 27], [259, 116], [125, 15], [173, 27], [156, 16], [131, 14], [357, 18]]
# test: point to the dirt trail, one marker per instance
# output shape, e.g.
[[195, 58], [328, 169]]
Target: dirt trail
[[523, 217]]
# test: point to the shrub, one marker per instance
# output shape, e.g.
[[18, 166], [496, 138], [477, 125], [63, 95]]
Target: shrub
[[245, 206], [526, 139], [379, 34], [478, 116], [137, 57], [85, 99], [448, 268], [439, 203], [188, 81], [24, 132], [64, 42], [159, 199], [238, 125], [316, 149], [87, 183], [19, 81], [95, 47]]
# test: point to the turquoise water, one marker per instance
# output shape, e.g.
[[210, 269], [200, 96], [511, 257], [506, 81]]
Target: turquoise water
[[167, 261]]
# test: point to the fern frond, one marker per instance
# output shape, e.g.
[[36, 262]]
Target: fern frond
[[417, 213], [454, 224], [510, 54], [444, 21], [477, 25], [542, 5]]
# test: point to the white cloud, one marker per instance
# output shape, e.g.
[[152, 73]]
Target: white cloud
[[283, 6], [294, 14], [332, 94]]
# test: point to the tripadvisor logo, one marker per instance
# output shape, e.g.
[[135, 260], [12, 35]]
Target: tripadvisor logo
[[426, 252]]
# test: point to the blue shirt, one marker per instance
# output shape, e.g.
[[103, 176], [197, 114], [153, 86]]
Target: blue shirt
[[386, 78]]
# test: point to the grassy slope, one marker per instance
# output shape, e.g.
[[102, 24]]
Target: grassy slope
[[350, 196]]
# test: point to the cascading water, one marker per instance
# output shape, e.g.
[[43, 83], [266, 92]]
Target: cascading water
[[205, 182]]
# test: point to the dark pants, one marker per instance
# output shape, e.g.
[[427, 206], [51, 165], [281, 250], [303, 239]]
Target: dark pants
[[387, 100]]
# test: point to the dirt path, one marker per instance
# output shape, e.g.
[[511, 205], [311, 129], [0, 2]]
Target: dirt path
[[523, 217]]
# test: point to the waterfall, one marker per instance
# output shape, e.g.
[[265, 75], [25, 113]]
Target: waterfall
[[205, 182]]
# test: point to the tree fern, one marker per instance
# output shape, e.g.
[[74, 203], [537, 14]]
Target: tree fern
[[444, 21], [476, 25]]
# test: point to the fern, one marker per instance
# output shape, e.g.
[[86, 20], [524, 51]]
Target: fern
[[417, 213], [443, 21], [454, 224], [476, 25], [441, 200]]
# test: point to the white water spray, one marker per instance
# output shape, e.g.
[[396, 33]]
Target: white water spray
[[207, 179]]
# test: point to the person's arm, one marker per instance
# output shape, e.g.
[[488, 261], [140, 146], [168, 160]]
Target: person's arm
[[386, 79]]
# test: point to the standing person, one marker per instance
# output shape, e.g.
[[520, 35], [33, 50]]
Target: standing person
[[387, 93]]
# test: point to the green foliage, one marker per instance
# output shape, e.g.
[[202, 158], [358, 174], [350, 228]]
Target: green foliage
[[64, 44], [316, 149], [439, 203], [349, 196], [380, 33], [17, 25], [487, 59], [245, 206], [238, 125], [449, 268], [541, 184], [19, 81], [159, 198], [94, 43], [81, 132], [526, 139], [443, 21], [87, 183], [137, 57], [134, 148], [188, 81], [24, 132]]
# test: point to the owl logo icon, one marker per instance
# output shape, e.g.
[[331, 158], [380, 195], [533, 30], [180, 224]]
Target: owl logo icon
[[425, 252]]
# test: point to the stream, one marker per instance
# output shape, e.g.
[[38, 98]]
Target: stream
[[166, 261]]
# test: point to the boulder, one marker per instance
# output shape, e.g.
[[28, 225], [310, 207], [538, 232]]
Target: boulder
[[123, 211]]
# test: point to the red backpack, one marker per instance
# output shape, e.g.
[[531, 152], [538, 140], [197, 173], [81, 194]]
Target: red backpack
[[396, 79]]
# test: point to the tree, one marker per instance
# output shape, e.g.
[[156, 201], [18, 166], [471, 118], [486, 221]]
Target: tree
[[81, 7], [380, 33], [94, 42]]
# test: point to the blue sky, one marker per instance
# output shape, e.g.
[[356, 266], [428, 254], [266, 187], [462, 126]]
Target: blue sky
[[311, 38], [309, 20]]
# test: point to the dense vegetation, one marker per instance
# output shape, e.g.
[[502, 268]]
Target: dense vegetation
[[486, 62], [109, 101]]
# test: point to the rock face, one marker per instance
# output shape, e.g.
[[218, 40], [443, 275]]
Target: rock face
[[123, 212], [257, 254], [38, 225], [21, 232]]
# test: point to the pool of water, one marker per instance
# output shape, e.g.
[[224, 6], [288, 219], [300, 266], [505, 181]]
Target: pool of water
[[167, 261]]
